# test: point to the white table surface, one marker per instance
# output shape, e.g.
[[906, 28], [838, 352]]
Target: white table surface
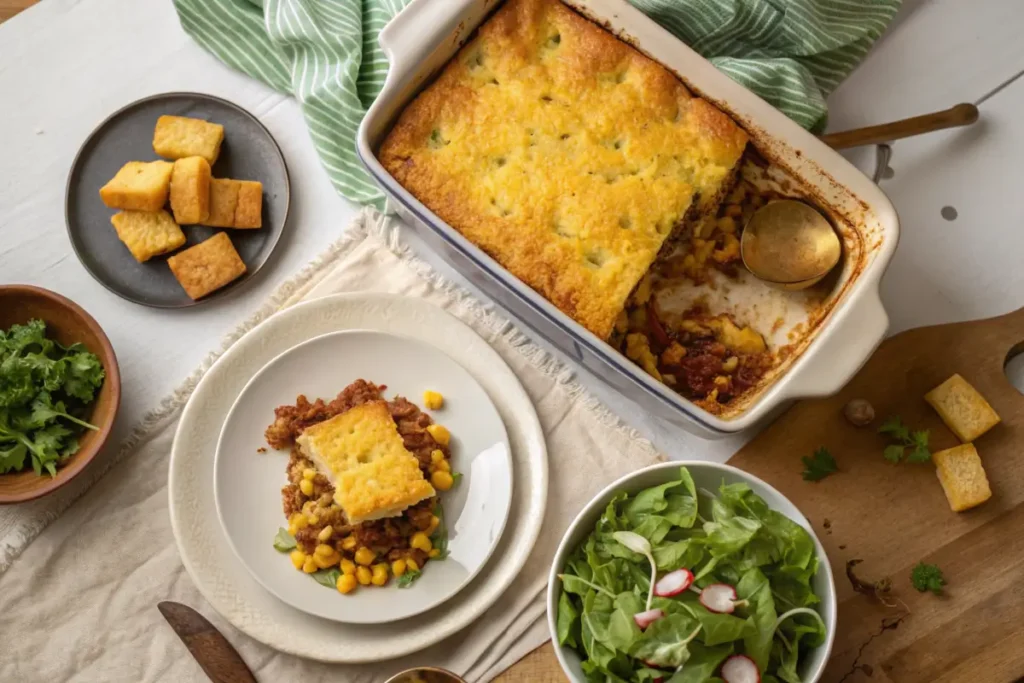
[[66, 64]]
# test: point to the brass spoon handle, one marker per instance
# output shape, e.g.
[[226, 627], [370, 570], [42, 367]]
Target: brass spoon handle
[[960, 115]]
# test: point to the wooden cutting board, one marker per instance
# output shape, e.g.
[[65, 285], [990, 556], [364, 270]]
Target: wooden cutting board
[[894, 516]]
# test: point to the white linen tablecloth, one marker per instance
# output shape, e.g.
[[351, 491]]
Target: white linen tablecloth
[[83, 596]]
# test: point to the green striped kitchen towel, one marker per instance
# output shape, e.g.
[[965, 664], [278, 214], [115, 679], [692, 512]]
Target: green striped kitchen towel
[[793, 53]]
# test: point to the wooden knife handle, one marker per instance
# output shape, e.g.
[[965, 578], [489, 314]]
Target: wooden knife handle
[[960, 115]]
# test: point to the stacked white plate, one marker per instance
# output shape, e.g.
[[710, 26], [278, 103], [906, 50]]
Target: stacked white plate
[[225, 495]]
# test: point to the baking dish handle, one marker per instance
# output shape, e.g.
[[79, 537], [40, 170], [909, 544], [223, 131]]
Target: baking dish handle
[[829, 367], [414, 30]]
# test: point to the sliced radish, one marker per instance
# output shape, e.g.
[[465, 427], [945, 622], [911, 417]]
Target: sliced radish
[[645, 619], [740, 669], [673, 583], [720, 598]]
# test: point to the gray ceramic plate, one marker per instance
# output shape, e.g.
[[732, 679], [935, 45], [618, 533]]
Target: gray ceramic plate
[[248, 153]]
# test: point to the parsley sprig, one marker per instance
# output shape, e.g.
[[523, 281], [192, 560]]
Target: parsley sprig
[[44, 391], [907, 445], [819, 466], [927, 577]]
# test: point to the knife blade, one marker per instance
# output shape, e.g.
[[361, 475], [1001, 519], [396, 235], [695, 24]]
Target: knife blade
[[217, 657]]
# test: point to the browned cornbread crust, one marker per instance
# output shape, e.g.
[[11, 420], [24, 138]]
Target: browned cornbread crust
[[564, 153]]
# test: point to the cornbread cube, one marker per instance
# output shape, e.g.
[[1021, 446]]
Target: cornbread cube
[[207, 266], [147, 234], [177, 137], [223, 200], [362, 454], [139, 186], [962, 408], [249, 211], [190, 190], [962, 477]]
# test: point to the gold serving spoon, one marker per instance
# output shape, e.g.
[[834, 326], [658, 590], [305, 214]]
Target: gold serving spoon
[[789, 244]]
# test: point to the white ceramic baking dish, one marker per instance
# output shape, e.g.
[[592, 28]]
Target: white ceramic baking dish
[[421, 39]]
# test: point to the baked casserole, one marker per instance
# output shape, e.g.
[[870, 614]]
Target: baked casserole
[[363, 478], [567, 155]]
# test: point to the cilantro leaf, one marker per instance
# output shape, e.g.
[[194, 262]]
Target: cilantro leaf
[[894, 427], [819, 466], [439, 539], [327, 577], [406, 579], [456, 478], [927, 577], [903, 439], [44, 387], [893, 453], [283, 541]]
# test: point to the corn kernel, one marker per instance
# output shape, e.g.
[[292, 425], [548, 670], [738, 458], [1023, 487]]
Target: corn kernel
[[398, 567], [309, 566], [379, 575], [309, 474], [292, 529], [347, 566], [346, 583], [727, 224], [325, 534], [433, 400], [442, 481], [730, 364], [435, 521], [436, 455], [420, 541], [324, 550], [325, 561], [349, 543], [721, 381], [733, 210], [440, 433], [306, 486], [433, 553], [365, 556], [363, 575], [411, 566], [443, 466], [313, 519], [298, 558], [300, 520], [307, 507]]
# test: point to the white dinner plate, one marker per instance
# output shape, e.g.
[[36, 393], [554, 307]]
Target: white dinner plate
[[247, 484], [222, 578]]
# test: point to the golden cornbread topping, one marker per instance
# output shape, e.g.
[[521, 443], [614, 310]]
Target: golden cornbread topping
[[363, 478], [565, 154]]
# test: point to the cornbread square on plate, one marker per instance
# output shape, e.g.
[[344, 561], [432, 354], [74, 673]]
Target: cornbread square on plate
[[362, 454], [139, 186], [962, 476], [249, 210], [962, 408], [147, 234], [190, 190], [177, 137], [223, 200], [207, 266], [565, 154]]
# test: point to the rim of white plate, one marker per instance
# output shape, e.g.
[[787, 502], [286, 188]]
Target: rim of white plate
[[221, 578], [435, 600]]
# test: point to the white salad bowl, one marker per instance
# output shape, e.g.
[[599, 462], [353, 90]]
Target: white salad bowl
[[710, 476]]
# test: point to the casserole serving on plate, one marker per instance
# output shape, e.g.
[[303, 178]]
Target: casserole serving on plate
[[591, 174]]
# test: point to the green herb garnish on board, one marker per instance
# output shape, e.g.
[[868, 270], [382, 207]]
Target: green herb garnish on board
[[45, 389], [819, 465], [439, 539], [927, 577], [907, 445], [732, 577]]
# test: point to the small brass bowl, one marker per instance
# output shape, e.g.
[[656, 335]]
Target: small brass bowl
[[425, 674]]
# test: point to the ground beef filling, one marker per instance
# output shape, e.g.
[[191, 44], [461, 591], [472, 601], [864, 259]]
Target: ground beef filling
[[387, 538]]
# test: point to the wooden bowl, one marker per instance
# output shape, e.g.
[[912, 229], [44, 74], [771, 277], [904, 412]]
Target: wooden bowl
[[67, 323]]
